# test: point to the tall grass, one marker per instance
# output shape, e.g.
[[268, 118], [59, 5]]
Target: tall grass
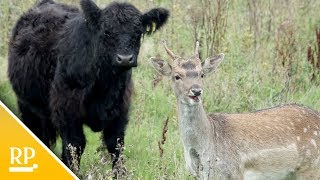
[[266, 64]]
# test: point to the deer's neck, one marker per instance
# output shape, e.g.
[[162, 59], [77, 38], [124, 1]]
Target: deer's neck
[[194, 124]]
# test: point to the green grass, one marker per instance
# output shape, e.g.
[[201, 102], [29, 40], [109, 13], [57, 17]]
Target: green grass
[[251, 77]]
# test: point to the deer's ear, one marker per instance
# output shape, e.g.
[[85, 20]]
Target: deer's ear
[[211, 63], [161, 66]]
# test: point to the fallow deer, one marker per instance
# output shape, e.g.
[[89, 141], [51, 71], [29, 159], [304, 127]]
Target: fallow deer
[[272, 143]]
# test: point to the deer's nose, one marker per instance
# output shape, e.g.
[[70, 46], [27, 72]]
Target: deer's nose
[[196, 90]]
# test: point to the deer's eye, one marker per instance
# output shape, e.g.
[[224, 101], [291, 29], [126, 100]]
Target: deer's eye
[[177, 77], [202, 75]]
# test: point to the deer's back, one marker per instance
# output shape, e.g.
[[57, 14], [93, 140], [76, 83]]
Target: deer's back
[[285, 137]]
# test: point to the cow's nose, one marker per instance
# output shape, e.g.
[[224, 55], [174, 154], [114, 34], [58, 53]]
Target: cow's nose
[[125, 59]]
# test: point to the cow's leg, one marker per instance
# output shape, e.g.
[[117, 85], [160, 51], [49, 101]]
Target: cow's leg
[[114, 131], [71, 131], [73, 144], [32, 121], [113, 135], [39, 123], [66, 113]]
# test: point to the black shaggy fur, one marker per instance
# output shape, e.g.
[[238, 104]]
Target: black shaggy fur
[[62, 69]]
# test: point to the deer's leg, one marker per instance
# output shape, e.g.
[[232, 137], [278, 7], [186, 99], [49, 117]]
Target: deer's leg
[[195, 161], [192, 163], [205, 171]]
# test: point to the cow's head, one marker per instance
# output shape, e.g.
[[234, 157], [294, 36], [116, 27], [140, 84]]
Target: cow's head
[[121, 27]]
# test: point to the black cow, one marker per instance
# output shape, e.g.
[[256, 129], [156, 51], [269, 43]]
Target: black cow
[[70, 67]]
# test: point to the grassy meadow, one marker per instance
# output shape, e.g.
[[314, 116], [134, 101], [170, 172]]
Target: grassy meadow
[[272, 57]]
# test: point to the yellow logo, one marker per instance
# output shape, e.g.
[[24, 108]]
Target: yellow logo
[[23, 155], [16, 154]]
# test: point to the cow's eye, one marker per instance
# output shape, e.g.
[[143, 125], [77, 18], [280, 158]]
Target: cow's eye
[[177, 77]]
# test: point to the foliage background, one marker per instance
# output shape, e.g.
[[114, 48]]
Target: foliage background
[[271, 57]]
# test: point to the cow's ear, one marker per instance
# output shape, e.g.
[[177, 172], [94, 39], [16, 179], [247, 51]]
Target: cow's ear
[[154, 19], [91, 11]]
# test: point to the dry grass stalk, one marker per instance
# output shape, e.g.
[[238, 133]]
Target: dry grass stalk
[[318, 46], [120, 171], [254, 21], [208, 22], [311, 53], [74, 157], [163, 137], [286, 43]]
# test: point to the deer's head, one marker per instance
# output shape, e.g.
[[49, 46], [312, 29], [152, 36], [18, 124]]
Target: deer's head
[[186, 73]]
